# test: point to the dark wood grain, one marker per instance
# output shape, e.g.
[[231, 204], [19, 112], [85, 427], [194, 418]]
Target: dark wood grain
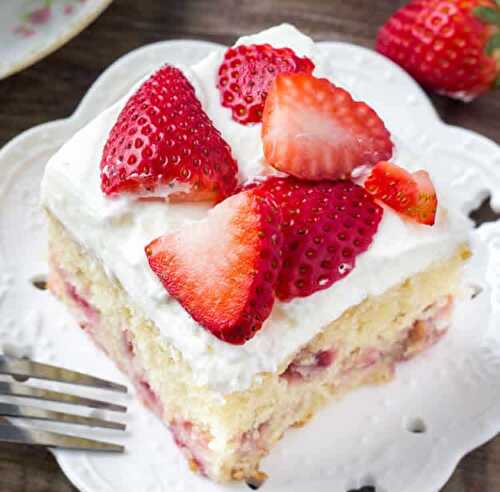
[[53, 87]]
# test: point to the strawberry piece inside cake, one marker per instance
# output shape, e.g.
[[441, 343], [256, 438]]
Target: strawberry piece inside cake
[[239, 239]]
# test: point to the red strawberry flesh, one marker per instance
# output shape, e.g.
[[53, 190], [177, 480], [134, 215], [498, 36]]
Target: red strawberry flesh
[[411, 195], [246, 73], [314, 130], [326, 225], [223, 270], [164, 144], [445, 45]]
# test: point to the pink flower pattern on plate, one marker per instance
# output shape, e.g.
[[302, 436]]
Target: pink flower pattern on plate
[[41, 15], [23, 31]]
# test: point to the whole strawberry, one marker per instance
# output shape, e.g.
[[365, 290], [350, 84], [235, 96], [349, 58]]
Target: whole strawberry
[[450, 46]]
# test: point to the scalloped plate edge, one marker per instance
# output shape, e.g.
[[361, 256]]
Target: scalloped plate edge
[[81, 116]]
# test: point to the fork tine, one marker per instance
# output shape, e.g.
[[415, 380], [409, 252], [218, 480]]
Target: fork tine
[[14, 366], [22, 435], [24, 391], [37, 413]]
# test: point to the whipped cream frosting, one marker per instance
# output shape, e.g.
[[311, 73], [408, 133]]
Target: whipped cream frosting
[[116, 230]]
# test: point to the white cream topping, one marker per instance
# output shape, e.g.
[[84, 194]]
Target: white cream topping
[[116, 231]]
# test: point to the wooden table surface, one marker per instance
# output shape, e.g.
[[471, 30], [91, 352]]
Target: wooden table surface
[[52, 88]]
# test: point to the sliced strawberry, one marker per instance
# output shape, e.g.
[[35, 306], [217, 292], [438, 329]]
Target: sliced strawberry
[[425, 210], [314, 130], [246, 73], [412, 195], [326, 225], [164, 144], [223, 269]]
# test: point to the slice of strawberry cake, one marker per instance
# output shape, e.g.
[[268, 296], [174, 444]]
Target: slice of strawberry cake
[[238, 237]]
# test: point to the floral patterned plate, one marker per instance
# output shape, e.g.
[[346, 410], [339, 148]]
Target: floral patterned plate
[[32, 29]]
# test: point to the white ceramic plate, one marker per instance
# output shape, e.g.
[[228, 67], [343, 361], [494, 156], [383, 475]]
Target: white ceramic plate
[[454, 389], [32, 29]]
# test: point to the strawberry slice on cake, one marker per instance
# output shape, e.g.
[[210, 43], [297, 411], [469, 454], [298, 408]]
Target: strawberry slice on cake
[[326, 224], [411, 195], [224, 269], [164, 145], [246, 73], [314, 130]]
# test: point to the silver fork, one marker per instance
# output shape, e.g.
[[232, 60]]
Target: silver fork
[[22, 369]]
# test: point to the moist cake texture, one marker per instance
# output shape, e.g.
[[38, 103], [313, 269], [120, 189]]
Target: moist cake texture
[[224, 436], [226, 405]]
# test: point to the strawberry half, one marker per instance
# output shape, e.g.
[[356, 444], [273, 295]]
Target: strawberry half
[[223, 269], [314, 130], [326, 225], [164, 144], [450, 46], [246, 73], [411, 195]]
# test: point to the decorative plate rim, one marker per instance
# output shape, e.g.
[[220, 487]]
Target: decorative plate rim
[[488, 427], [65, 36]]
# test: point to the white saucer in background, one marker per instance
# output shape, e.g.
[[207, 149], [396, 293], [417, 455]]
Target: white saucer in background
[[32, 29]]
